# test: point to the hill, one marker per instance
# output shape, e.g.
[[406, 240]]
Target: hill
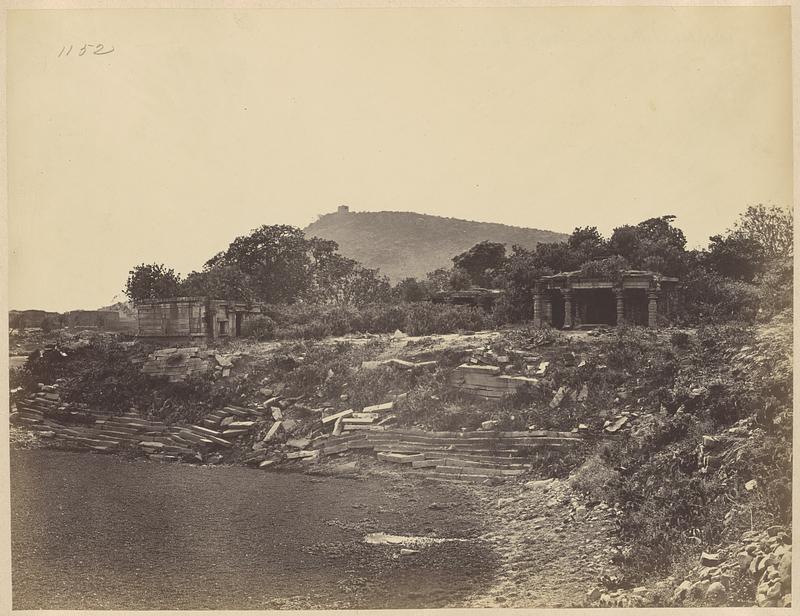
[[404, 244]]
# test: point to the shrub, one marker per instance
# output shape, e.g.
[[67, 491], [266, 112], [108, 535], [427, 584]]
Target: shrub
[[776, 284], [679, 340], [596, 478], [315, 321], [426, 319], [383, 318], [608, 268], [707, 296], [260, 328]]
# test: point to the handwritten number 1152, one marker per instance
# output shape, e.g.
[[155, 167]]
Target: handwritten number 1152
[[98, 50]]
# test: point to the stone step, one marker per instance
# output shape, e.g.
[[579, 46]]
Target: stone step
[[28, 420], [484, 434], [188, 435], [96, 442], [449, 461], [122, 436], [456, 478], [400, 458], [517, 459], [467, 446], [479, 470], [412, 448], [485, 441]]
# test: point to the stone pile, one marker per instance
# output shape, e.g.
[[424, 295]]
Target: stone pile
[[492, 374], [478, 457], [762, 561], [77, 427], [369, 417], [178, 364], [488, 381]]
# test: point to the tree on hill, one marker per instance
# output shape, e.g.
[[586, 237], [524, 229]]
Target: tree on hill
[[151, 281]]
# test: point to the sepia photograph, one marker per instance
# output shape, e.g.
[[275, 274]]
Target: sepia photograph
[[398, 307]]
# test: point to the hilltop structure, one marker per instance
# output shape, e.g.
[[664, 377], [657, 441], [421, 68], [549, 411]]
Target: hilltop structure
[[570, 300]]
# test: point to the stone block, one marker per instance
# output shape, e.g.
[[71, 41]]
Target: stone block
[[335, 416], [378, 408], [273, 431]]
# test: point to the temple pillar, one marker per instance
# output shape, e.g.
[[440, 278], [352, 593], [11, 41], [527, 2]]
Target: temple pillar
[[537, 309], [652, 308], [547, 302], [567, 308], [619, 294]]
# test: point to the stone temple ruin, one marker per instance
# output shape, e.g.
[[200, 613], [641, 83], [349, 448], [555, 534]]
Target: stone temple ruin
[[200, 318], [570, 300]]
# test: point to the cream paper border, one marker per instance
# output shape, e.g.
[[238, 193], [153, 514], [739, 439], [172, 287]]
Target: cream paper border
[[5, 542]]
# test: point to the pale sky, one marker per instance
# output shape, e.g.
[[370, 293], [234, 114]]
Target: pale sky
[[202, 125]]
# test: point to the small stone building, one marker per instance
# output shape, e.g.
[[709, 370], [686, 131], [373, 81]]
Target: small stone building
[[193, 317], [569, 300]]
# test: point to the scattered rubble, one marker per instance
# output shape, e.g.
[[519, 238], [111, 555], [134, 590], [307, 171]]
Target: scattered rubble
[[178, 364], [762, 559]]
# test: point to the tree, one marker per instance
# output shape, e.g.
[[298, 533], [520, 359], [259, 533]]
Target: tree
[[344, 281], [772, 228], [625, 241], [661, 230], [412, 290], [761, 236], [362, 285], [518, 278], [151, 281], [219, 282], [558, 257], [654, 244], [588, 242], [438, 280], [279, 261], [481, 262], [460, 279], [735, 256]]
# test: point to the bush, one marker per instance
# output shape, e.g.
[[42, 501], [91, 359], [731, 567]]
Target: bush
[[609, 268], [709, 297], [383, 318], [679, 340], [776, 284], [426, 319], [315, 321], [596, 478], [260, 328]]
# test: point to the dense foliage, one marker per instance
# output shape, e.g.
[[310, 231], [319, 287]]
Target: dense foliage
[[743, 274], [315, 321], [273, 264]]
